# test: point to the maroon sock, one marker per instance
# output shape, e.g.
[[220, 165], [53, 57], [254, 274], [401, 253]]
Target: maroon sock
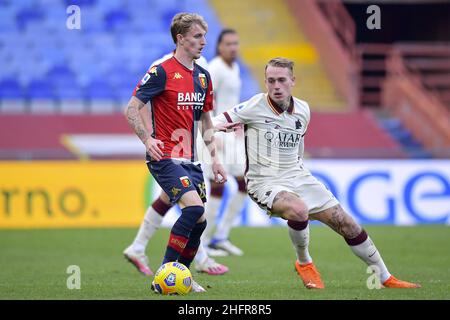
[[358, 239]]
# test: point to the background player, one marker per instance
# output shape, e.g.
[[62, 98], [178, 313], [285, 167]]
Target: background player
[[225, 75], [181, 96], [279, 183]]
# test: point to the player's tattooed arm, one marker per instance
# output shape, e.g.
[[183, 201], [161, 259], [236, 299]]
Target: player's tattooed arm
[[135, 120]]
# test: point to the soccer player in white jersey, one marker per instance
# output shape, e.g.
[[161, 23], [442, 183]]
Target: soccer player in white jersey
[[135, 253], [225, 76], [275, 124]]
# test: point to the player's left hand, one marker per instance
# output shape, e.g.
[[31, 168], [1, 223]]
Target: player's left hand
[[220, 176]]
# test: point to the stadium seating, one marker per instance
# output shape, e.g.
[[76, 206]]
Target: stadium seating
[[48, 68]]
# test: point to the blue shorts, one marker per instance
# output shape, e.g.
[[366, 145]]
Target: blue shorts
[[176, 178]]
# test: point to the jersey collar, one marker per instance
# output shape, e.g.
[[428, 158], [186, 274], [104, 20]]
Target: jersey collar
[[182, 65], [276, 109]]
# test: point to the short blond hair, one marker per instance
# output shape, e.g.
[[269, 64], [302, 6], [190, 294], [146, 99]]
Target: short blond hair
[[281, 63], [182, 22]]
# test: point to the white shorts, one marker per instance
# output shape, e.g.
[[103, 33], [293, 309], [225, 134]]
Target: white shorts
[[231, 153], [312, 192]]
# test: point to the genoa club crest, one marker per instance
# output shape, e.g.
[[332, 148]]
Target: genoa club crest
[[185, 181], [202, 79]]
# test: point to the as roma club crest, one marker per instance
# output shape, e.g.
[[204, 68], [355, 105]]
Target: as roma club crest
[[202, 79]]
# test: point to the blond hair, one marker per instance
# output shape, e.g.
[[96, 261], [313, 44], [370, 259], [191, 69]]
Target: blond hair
[[281, 63], [182, 22]]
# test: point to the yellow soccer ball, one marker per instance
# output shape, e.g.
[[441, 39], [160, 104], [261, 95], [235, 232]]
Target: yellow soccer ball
[[173, 278]]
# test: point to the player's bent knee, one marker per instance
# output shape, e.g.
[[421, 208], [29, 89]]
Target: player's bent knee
[[299, 212], [296, 213], [194, 213], [190, 198]]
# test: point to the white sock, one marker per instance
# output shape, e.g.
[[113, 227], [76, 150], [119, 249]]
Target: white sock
[[300, 240], [370, 255], [201, 255], [152, 221], [211, 211], [234, 207]]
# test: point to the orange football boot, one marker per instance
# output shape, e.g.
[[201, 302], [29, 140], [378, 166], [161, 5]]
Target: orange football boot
[[310, 275], [393, 282]]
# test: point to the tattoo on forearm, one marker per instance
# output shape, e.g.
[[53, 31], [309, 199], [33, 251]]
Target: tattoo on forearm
[[135, 121]]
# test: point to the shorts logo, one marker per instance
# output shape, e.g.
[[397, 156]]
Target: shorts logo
[[175, 191], [202, 79], [185, 182], [202, 189]]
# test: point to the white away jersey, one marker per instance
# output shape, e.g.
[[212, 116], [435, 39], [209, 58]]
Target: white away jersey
[[226, 83], [274, 139]]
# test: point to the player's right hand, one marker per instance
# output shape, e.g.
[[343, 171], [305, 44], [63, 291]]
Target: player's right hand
[[154, 147], [227, 127], [220, 175]]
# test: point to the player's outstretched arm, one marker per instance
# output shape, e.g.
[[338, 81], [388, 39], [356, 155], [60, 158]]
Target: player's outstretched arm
[[226, 127], [135, 121], [208, 137]]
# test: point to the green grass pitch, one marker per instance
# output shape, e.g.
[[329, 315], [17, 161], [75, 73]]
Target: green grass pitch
[[34, 263]]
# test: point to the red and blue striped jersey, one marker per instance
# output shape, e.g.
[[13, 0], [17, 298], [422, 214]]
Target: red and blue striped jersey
[[178, 97]]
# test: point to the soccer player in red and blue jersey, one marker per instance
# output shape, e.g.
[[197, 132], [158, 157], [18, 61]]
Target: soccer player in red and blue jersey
[[181, 96]]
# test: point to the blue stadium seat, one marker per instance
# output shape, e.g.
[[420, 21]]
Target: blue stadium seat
[[81, 3], [117, 20], [10, 89], [24, 16], [106, 5], [99, 89], [40, 89], [59, 72], [41, 59], [12, 99], [67, 89]]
